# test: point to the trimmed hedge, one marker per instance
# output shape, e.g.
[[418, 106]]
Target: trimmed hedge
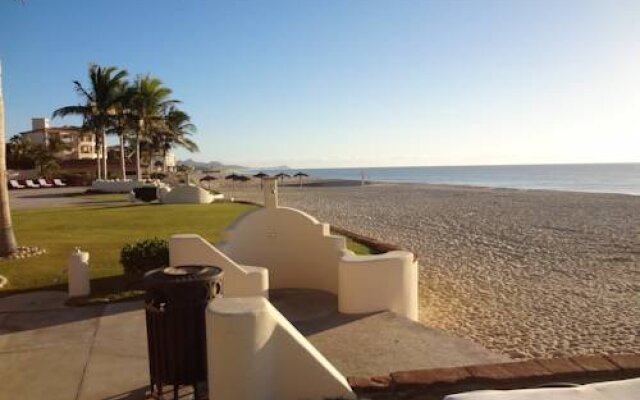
[[143, 256]]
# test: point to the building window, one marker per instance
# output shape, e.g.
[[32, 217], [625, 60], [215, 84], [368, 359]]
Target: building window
[[85, 149]]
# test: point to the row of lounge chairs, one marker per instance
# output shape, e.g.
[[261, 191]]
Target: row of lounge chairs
[[34, 184]]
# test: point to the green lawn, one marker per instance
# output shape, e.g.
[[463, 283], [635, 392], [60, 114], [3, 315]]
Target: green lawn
[[102, 228]]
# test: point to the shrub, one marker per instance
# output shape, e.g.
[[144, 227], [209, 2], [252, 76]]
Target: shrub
[[144, 255], [157, 175], [77, 179], [50, 169]]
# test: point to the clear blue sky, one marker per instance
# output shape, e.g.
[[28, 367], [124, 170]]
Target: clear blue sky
[[352, 82]]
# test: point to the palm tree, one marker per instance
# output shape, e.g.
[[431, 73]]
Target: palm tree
[[100, 100], [8, 243], [44, 155], [149, 97], [174, 132], [20, 153], [123, 123]]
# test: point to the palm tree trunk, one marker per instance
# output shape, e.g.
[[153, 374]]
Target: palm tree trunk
[[164, 161], [122, 160], [138, 172], [8, 243], [98, 148], [104, 153]]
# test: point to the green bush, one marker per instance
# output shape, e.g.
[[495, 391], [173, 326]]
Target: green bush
[[157, 175], [144, 255], [76, 179]]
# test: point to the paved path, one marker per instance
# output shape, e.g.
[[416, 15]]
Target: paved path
[[374, 344], [50, 351]]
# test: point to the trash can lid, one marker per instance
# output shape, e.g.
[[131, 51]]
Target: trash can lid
[[181, 274]]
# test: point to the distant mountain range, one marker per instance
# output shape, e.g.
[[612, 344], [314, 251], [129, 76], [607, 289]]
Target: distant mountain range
[[218, 165], [208, 165]]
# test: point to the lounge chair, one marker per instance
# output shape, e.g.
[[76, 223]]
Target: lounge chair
[[31, 184], [43, 183], [59, 183], [14, 184]]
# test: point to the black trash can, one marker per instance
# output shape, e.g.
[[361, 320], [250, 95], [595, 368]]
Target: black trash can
[[146, 193], [175, 303]]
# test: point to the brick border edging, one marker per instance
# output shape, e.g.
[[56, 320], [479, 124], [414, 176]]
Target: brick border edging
[[510, 375], [375, 244]]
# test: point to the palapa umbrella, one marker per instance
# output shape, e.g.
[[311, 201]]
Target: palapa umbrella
[[208, 179], [261, 175], [300, 175], [236, 177], [282, 175]]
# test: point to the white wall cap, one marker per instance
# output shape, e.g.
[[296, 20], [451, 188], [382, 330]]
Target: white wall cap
[[238, 305], [391, 255]]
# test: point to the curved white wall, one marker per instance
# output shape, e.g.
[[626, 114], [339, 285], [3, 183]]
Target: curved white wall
[[186, 194], [291, 249], [254, 353], [382, 282], [298, 251]]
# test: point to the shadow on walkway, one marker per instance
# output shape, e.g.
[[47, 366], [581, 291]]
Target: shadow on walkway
[[30, 309]]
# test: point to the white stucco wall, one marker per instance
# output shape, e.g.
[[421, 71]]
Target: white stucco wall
[[382, 282], [298, 250], [187, 194], [121, 186], [254, 353], [280, 247], [238, 280]]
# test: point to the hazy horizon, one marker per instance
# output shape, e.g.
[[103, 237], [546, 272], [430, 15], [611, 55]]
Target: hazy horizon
[[293, 167], [352, 84]]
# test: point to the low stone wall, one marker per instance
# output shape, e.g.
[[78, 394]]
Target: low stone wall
[[436, 383], [119, 186]]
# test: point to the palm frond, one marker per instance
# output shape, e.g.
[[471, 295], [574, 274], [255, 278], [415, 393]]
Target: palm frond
[[71, 110]]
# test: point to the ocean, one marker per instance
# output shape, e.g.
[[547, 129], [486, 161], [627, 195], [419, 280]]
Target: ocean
[[596, 178]]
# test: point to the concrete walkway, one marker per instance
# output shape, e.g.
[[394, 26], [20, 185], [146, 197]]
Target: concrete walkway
[[374, 344], [50, 351]]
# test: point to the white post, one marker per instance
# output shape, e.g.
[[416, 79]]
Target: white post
[[270, 191], [78, 274]]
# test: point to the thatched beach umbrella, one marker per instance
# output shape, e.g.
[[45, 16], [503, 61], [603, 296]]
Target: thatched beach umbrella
[[208, 179], [233, 177], [261, 175], [236, 177], [282, 175], [300, 175]]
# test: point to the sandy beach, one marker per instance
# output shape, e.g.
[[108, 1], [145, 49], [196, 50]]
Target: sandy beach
[[526, 273]]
